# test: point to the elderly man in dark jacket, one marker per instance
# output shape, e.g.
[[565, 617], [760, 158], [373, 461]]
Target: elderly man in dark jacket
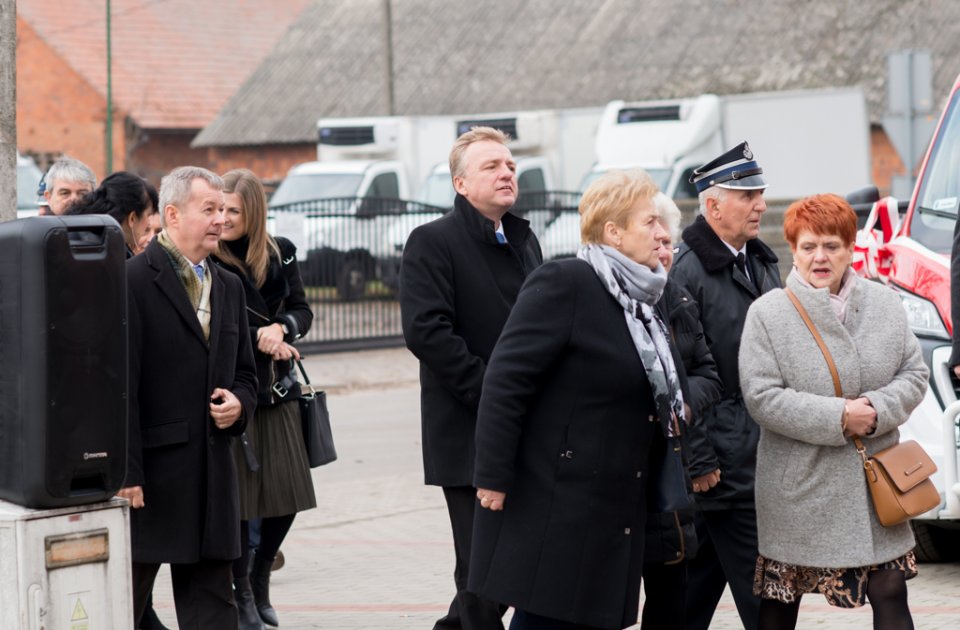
[[725, 266], [459, 278], [193, 385]]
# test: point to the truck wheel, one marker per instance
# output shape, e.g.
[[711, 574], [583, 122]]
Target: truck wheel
[[936, 544], [352, 280]]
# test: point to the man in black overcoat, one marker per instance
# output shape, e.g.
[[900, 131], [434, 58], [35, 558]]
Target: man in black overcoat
[[725, 267], [459, 278], [193, 386]]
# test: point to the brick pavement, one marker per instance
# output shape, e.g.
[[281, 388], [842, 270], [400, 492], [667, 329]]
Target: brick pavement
[[377, 552]]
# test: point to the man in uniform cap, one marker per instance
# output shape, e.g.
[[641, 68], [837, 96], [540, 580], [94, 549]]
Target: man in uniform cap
[[725, 267]]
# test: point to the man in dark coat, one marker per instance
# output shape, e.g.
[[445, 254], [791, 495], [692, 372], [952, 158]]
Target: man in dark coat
[[459, 278], [725, 266], [193, 386]]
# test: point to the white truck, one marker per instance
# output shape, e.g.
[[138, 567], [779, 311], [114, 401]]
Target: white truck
[[807, 141], [348, 212]]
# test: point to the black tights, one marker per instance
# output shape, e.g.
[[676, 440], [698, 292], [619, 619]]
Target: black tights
[[273, 529], [886, 590]]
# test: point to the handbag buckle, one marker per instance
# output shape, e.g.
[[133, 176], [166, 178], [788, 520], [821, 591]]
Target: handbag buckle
[[280, 390]]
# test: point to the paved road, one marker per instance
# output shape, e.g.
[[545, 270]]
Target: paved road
[[376, 553]]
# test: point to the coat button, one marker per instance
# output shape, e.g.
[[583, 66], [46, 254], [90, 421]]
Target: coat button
[[627, 531], [211, 440]]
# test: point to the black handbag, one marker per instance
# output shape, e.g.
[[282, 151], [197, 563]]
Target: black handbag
[[315, 421], [670, 489]]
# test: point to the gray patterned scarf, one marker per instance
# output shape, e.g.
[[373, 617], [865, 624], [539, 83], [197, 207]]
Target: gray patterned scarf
[[637, 288]]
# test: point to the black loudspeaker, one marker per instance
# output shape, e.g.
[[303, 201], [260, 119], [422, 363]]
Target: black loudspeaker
[[63, 360]]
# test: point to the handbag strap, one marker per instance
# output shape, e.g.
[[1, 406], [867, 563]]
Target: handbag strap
[[306, 379], [826, 355]]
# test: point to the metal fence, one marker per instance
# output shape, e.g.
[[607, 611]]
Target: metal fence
[[349, 255]]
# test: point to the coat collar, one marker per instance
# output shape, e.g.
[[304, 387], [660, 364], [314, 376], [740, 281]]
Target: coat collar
[[169, 284], [711, 251], [517, 230]]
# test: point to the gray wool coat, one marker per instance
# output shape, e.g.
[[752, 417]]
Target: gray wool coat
[[813, 505]]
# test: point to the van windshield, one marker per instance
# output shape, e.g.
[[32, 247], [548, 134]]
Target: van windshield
[[937, 201], [438, 190], [311, 186]]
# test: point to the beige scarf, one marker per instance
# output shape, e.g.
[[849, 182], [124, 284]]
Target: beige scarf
[[198, 292]]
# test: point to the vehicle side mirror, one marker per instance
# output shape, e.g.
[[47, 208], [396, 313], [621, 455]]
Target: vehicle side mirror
[[862, 201]]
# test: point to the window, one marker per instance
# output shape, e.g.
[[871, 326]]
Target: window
[[384, 186], [531, 181], [686, 190], [936, 212]]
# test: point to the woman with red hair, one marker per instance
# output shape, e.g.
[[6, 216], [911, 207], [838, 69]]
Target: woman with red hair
[[818, 531]]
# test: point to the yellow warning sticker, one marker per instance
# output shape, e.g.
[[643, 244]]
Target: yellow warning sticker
[[79, 620]]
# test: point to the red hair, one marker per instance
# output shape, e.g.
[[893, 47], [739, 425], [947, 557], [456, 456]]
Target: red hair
[[824, 215]]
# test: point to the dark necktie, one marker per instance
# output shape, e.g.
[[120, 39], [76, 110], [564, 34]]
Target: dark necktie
[[742, 263]]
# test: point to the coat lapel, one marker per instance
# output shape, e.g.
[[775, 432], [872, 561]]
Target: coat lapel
[[169, 284], [741, 278]]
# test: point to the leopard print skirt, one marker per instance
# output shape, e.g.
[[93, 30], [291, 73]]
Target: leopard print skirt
[[843, 588]]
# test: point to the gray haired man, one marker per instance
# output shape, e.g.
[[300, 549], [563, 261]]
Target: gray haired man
[[66, 182], [193, 385], [725, 266]]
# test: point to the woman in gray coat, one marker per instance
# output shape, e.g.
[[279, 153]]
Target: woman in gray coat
[[817, 527]]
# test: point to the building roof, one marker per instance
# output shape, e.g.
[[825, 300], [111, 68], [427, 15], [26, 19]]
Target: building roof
[[502, 55], [175, 62]]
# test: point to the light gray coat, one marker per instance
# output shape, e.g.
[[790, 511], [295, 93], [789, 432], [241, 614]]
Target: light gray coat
[[813, 505]]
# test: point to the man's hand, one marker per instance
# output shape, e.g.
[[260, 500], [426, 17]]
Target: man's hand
[[491, 499], [133, 494], [225, 408], [706, 482]]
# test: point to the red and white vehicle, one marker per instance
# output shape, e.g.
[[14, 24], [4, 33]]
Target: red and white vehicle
[[912, 255]]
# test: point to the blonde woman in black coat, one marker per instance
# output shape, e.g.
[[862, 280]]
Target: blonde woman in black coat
[[272, 467], [580, 390]]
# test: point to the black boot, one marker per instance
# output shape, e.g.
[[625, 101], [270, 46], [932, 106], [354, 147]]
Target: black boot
[[246, 607], [260, 583]]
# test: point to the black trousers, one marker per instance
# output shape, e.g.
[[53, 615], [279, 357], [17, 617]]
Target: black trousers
[[727, 554], [665, 587], [202, 592], [468, 611], [523, 620]]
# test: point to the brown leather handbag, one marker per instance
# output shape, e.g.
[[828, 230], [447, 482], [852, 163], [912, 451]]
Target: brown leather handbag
[[898, 476]]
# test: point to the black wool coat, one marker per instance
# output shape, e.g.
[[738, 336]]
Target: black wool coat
[[706, 269], [182, 460], [281, 300], [565, 430], [457, 286]]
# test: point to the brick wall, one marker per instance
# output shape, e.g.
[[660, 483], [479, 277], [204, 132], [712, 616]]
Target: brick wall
[[270, 162], [58, 112], [155, 152], [886, 161]]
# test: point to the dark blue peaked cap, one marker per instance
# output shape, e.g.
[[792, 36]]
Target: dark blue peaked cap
[[734, 169]]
